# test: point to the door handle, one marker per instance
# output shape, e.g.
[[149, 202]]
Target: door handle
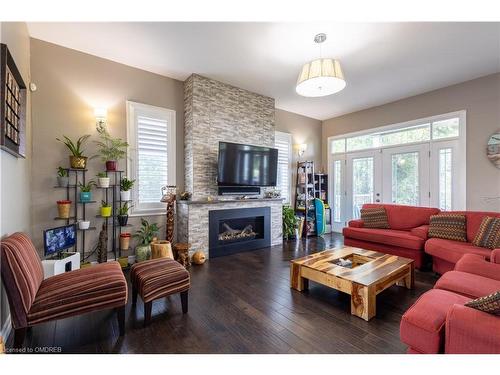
[[377, 200]]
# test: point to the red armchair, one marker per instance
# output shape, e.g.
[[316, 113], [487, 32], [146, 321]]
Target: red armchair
[[440, 318]]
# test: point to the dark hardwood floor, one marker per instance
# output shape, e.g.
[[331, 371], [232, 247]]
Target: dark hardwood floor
[[243, 304]]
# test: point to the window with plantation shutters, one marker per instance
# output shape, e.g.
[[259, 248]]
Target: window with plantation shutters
[[283, 142], [151, 135]]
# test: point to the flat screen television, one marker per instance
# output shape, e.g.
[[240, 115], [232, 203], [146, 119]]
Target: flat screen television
[[246, 165], [58, 239]]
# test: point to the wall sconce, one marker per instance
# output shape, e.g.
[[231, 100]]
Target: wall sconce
[[301, 149], [100, 119]]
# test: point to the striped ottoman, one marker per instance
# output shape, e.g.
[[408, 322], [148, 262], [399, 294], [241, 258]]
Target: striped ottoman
[[157, 278]]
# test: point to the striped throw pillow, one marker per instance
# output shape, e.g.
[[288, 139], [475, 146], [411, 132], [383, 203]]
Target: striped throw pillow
[[488, 234], [374, 217], [448, 227], [489, 304]]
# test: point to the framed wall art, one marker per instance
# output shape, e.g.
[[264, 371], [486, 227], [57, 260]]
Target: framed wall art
[[12, 105]]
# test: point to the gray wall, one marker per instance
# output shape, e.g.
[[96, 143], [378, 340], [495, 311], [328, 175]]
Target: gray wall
[[479, 97], [217, 112], [15, 184]]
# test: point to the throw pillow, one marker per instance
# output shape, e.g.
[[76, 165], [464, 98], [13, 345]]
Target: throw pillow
[[489, 304], [488, 234], [448, 227], [374, 217]]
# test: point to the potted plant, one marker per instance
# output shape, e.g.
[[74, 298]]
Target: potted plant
[[124, 246], [84, 224], [77, 160], [62, 177], [103, 179], [145, 235], [289, 222], [111, 149], [125, 186], [63, 209], [105, 209], [123, 214], [86, 191]]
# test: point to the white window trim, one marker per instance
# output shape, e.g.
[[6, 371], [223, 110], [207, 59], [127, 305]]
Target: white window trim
[[160, 112], [288, 136]]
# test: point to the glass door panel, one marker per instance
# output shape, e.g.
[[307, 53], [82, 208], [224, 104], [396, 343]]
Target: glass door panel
[[362, 184]]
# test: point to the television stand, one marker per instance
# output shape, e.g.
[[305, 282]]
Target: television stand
[[65, 262], [239, 190]]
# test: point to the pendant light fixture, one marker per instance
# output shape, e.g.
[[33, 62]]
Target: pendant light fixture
[[320, 77]]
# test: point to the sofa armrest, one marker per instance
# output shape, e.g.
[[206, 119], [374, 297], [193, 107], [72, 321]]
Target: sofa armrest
[[477, 265], [470, 331], [356, 223], [421, 232], [495, 256]]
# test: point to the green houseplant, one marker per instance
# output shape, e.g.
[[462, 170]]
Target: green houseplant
[[105, 209], [123, 214], [62, 177], [111, 149], [77, 160], [103, 179], [125, 186], [86, 191], [289, 222], [145, 235]]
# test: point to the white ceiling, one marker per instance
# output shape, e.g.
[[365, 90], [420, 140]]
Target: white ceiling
[[382, 62]]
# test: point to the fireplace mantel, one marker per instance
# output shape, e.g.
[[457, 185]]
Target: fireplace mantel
[[222, 201]]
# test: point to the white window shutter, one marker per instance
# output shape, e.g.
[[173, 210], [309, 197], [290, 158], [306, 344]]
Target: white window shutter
[[283, 142]]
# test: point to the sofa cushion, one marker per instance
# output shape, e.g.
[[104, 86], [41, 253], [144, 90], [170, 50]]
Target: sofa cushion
[[488, 234], [98, 287], [489, 303], [474, 220], [392, 237], [402, 217], [374, 217], [422, 325], [467, 284], [421, 231], [452, 251], [448, 226]]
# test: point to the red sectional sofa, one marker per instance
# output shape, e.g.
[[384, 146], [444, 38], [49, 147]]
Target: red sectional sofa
[[438, 322], [408, 236], [445, 253]]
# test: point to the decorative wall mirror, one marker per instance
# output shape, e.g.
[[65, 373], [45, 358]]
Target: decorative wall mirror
[[493, 149]]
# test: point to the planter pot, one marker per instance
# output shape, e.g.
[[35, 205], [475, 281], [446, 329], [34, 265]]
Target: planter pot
[[111, 165], [62, 181], [161, 249], [142, 253], [78, 162], [123, 262], [125, 195], [103, 182], [124, 241], [122, 220], [84, 225], [85, 196], [106, 211], [63, 209]]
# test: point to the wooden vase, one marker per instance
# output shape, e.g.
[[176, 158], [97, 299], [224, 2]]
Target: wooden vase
[[161, 249]]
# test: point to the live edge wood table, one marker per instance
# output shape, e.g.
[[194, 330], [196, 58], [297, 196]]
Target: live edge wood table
[[371, 273]]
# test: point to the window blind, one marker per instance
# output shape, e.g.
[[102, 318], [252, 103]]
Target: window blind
[[283, 142]]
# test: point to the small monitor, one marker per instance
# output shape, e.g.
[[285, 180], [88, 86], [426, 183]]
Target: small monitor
[[58, 239]]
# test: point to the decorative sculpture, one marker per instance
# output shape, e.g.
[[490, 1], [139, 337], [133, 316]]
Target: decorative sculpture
[[102, 244], [168, 196]]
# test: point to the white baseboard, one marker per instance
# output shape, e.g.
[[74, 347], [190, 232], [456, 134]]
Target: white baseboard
[[7, 326]]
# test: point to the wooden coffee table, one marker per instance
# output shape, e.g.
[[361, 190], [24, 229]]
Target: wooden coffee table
[[371, 273]]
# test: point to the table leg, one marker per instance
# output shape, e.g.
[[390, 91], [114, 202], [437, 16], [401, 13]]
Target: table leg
[[409, 280], [363, 301], [297, 282]]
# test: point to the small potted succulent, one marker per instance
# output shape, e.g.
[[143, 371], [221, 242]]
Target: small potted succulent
[[84, 224], [63, 209], [86, 191], [145, 235], [123, 214], [62, 177], [111, 149], [125, 187], [103, 179], [105, 209], [77, 160]]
